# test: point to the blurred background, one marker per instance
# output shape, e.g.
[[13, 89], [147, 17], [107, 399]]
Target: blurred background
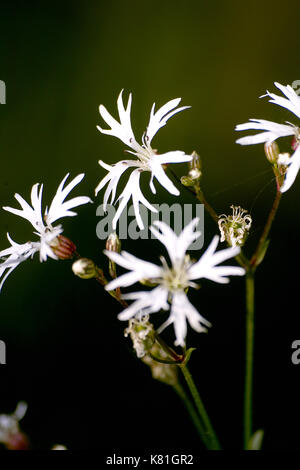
[[66, 354]]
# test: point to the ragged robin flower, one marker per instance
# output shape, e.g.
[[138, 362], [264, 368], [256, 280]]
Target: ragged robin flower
[[147, 159], [173, 280], [50, 243], [272, 131]]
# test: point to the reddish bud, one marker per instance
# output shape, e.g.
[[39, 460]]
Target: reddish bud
[[63, 247], [17, 441]]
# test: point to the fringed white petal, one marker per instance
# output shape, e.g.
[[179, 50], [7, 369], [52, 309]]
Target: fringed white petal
[[159, 118], [292, 171], [59, 207]]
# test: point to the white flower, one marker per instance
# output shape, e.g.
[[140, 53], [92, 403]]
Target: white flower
[[147, 158], [172, 281], [273, 130], [47, 234]]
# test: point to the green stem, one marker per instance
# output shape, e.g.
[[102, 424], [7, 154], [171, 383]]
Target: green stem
[[192, 412], [266, 229], [248, 398], [211, 435], [200, 196]]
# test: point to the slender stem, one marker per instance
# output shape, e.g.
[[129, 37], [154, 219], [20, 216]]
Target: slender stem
[[248, 398], [211, 435], [192, 412], [196, 191], [267, 228], [200, 196]]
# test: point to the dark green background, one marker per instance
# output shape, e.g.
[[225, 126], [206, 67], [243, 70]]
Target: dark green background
[[65, 349]]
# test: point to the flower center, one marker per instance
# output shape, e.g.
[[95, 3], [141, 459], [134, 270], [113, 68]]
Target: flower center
[[175, 278]]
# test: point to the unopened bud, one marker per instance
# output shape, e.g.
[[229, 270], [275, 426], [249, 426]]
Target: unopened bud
[[84, 268], [195, 163], [235, 228], [113, 243], [18, 441], [194, 174], [272, 152], [63, 247]]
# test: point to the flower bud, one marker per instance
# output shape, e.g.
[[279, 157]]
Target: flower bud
[[195, 163], [84, 268], [63, 247], [235, 228], [18, 441], [272, 152], [195, 166], [113, 243], [194, 174]]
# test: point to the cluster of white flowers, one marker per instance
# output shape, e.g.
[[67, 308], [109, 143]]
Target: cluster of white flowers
[[172, 280]]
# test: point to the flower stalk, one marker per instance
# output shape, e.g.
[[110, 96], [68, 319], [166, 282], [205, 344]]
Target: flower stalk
[[255, 258], [193, 414], [211, 437], [248, 394]]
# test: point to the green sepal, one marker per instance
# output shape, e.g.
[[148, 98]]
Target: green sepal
[[187, 356]]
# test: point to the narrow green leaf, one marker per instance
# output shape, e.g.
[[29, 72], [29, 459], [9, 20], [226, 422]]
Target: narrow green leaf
[[255, 442], [262, 252]]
